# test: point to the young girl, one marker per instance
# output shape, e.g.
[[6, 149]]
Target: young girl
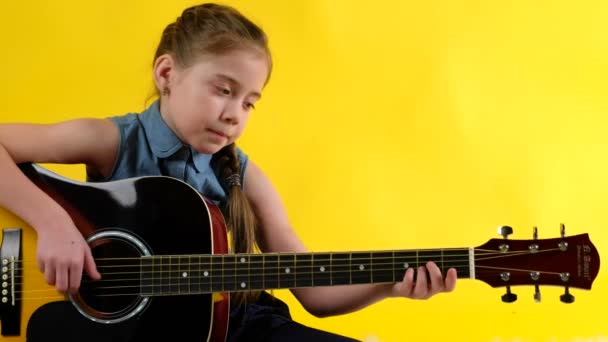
[[210, 68]]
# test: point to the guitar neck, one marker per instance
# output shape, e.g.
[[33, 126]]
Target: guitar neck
[[194, 274]]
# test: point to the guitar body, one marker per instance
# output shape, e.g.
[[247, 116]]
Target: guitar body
[[155, 215]]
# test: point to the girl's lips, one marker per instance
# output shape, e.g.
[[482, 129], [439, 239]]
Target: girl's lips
[[218, 133]]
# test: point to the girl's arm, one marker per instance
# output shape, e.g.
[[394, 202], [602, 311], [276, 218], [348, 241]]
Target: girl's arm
[[278, 236], [61, 250]]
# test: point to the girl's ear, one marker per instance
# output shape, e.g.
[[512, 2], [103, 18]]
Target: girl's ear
[[164, 66]]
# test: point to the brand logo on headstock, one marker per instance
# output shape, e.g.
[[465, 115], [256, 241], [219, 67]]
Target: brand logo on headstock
[[584, 261]]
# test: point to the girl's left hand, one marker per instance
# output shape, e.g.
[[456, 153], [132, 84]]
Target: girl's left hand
[[422, 288]]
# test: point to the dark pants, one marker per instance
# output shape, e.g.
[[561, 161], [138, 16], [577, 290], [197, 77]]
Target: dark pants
[[294, 331], [269, 320]]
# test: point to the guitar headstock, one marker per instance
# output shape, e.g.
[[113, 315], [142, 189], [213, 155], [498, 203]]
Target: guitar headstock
[[568, 261]]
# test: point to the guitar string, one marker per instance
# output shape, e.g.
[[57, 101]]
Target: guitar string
[[267, 265], [336, 273], [212, 280], [228, 267], [257, 258], [298, 270], [212, 276]]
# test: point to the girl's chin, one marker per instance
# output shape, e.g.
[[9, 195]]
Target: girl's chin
[[208, 148]]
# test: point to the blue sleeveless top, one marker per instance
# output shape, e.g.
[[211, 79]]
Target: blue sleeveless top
[[148, 147]]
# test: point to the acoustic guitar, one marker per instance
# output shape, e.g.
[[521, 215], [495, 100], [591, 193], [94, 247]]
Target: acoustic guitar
[[162, 250]]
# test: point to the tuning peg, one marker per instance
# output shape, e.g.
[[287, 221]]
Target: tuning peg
[[562, 229], [509, 297], [535, 233], [567, 297], [536, 293], [505, 231]]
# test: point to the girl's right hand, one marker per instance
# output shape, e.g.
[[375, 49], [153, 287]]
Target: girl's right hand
[[62, 255]]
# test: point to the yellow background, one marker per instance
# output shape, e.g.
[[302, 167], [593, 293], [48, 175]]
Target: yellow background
[[386, 124]]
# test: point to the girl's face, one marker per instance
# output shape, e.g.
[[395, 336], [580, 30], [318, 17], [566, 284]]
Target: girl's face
[[210, 102]]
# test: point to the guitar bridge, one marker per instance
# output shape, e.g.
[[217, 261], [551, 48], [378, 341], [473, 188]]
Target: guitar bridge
[[10, 286]]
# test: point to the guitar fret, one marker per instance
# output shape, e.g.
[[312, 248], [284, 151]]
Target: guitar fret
[[304, 269], [382, 266], [165, 286], [183, 275], [340, 269], [321, 270], [350, 271], [257, 272], [271, 268], [146, 276], [191, 279], [242, 272], [286, 270], [194, 271], [331, 269], [173, 275], [229, 274], [204, 276], [425, 256], [216, 274], [393, 267], [361, 268], [156, 278], [402, 261], [458, 259]]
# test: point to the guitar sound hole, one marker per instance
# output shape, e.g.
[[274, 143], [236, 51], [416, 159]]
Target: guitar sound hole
[[118, 290]]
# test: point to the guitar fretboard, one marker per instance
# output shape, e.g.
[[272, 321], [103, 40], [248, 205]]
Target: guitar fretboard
[[196, 274]]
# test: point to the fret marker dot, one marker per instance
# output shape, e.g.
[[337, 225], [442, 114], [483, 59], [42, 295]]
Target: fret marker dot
[[361, 267], [243, 259], [205, 273], [322, 269], [406, 265], [243, 285], [287, 270], [185, 274]]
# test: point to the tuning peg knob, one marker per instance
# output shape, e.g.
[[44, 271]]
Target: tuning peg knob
[[505, 231], [567, 297], [509, 297]]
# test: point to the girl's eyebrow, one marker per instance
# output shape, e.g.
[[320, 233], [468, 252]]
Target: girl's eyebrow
[[233, 81]]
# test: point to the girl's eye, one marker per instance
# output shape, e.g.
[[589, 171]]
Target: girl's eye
[[224, 91], [249, 105]]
